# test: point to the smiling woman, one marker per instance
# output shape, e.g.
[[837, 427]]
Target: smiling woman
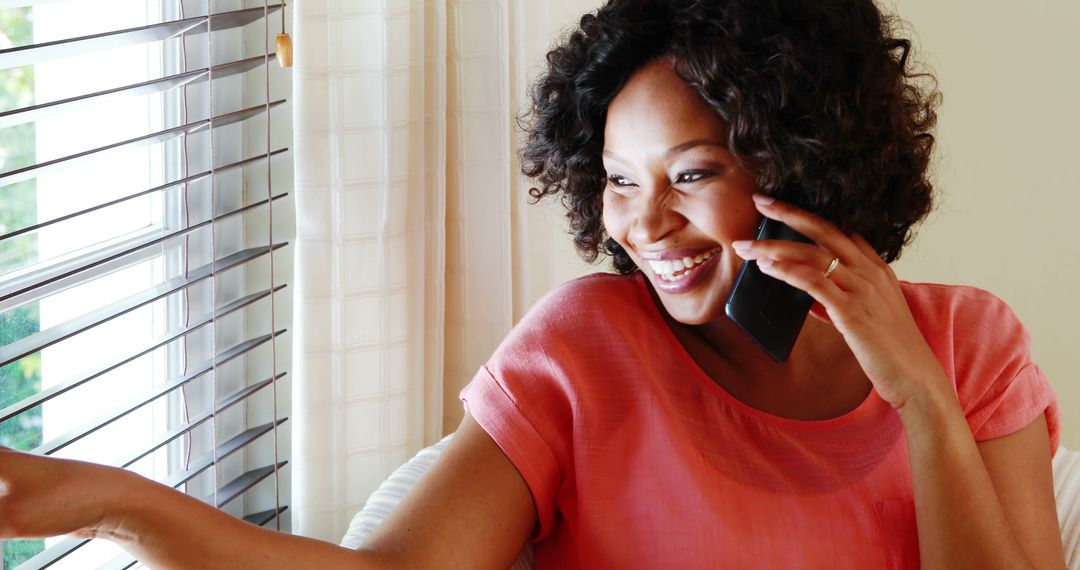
[[690, 123], [625, 422]]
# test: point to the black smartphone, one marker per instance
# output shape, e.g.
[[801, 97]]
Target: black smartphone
[[769, 310]]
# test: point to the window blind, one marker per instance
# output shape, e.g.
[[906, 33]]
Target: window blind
[[140, 315]]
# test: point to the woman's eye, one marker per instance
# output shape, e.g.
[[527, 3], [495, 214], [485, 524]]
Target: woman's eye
[[620, 181], [691, 176]]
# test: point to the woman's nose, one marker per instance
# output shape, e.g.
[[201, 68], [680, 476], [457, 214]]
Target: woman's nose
[[654, 217]]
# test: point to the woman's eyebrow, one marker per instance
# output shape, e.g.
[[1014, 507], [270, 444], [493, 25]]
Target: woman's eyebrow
[[680, 148], [677, 149]]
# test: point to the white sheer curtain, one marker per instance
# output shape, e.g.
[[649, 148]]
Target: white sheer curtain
[[415, 250]]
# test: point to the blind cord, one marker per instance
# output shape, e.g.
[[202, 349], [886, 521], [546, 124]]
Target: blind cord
[[270, 245], [213, 246], [186, 220]]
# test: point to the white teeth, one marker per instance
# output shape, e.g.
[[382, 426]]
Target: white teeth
[[667, 268]]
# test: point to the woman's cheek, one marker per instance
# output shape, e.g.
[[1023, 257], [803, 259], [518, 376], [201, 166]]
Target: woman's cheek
[[616, 217]]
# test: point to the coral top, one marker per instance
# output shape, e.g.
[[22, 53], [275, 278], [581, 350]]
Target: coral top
[[637, 459]]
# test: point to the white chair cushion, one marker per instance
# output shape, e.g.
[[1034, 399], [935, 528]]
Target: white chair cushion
[[390, 493], [1067, 495], [1066, 492]]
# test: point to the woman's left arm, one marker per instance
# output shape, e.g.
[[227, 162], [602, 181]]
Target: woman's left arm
[[981, 505], [977, 505]]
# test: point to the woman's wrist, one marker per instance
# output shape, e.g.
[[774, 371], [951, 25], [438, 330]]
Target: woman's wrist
[[114, 493], [930, 411], [125, 500]]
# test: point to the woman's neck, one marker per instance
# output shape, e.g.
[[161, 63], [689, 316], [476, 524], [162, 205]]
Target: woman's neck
[[820, 380]]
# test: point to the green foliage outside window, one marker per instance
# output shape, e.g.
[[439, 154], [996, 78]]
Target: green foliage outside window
[[18, 209], [17, 146]]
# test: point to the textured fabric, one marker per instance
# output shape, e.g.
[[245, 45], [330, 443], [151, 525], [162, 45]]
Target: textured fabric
[[1067, 495], [370, 203], [407, 215], [387, 497], [637, 459]]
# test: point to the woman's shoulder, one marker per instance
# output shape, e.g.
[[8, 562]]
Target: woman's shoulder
[[939, 304], [596, 296], [975, 334], [597, 309], [986, 351]]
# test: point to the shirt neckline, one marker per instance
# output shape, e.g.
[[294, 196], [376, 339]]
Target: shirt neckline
[[869, 404]]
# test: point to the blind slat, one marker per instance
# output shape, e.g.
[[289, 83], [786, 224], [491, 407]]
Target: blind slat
[[195, 421], [224, 450], [37, 53], [142, 350], [67, 329], [58, 443], [187, 180], [241, 484], [120, 562], [53, 554], [43, 339], [71, 277], [33, 171], [28, 114], [46, 51], [8, 4], [261, 518]]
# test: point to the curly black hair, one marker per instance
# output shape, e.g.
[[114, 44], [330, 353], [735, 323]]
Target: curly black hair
[[822, 105]]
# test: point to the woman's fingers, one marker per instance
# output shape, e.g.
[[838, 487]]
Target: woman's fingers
[[808, 279], [868, 250], [822, 232], [809, 256]]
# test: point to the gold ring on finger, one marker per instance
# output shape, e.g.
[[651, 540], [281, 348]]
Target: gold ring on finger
[[832, 266]]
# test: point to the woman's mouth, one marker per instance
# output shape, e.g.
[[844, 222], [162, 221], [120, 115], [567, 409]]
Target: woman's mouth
[[678, 275]]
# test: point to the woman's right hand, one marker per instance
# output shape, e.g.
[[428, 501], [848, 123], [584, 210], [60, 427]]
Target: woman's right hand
[[44, 496]]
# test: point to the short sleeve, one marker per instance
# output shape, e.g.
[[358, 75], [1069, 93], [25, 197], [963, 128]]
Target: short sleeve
[[495, 409], [1014, 405], [526, 395], [1000, 388]]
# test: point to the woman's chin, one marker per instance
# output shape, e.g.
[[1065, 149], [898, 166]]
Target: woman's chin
[[695, 317], [692, 311]]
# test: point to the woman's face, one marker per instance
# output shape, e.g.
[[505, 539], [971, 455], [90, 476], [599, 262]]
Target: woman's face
[[675, 193]]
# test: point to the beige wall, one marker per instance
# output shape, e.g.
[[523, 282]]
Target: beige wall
[[1006, 171]]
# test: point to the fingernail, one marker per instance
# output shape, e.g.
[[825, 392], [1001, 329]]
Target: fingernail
[[741, 245], [763, 199], [765, 263]]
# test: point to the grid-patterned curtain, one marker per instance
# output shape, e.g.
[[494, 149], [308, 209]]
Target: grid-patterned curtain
[[416, 249]]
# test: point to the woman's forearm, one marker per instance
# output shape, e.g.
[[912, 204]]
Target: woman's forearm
[[961, 523], [167, 529], [42, 496]]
